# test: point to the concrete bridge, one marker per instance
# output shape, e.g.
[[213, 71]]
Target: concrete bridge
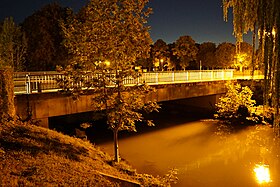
[[37, 97]]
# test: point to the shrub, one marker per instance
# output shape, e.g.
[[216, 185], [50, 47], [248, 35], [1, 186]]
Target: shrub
[[238, 105], [237, 102]]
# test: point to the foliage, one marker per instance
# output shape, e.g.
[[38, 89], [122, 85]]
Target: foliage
[[206, 55], [185, 50], [13, 44], [105, 39], [262, 18], [235, 102], [44, 35], [160, 54], [243, 57], [225, 54]]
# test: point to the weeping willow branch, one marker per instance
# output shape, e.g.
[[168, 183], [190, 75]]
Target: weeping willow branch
[[263, 17]]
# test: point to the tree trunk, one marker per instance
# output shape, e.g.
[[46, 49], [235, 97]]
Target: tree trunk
[[7, 109], [116, 146]]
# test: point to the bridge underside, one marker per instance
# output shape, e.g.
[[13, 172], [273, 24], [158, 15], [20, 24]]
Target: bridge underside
[[44, 105]]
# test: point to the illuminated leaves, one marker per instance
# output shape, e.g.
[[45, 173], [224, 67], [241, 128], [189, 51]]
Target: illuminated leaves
[[235, 97]]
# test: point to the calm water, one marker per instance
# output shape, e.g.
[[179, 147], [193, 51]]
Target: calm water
[[203, 155]]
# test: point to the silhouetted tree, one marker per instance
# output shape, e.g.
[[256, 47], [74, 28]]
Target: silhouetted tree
[[174, 61], [160, 54], [13, 45], [225, 55], [105, 40], [185, 50], [45, 37], [206, 55]]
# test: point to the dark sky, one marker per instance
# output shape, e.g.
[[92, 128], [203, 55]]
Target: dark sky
[[200, 19]]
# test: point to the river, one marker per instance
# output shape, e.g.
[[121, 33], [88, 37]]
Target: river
[[202, 154]]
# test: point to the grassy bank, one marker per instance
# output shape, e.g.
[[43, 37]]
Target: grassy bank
[[35, 156]]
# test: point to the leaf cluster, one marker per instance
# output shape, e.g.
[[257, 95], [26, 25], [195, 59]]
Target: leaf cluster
[[236, 96]]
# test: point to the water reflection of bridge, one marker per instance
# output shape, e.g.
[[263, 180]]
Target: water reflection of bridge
[[36, 92]]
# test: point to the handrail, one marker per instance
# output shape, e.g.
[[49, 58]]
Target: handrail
[[36, 82]]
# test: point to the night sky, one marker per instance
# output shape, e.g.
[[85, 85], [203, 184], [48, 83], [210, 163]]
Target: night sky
[[200, 19]]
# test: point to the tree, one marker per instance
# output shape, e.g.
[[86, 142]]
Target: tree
[[225, 54], [185, 50], [13, 45], [160, 54], [206, 55], [243, 56], [262, 17], [44, 35], [7, 109], [105, 39]]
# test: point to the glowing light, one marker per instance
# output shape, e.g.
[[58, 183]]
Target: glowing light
[[107, 63], [273, 32], [262, 173]]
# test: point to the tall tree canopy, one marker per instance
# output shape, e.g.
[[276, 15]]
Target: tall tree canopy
[[44, 35], [206, 54], [13, 45], [160, 53], [225, 55], [263, 18], [105, 40], [185, 50]]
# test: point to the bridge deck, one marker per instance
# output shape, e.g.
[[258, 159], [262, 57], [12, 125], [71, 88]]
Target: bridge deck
[[36, 82]]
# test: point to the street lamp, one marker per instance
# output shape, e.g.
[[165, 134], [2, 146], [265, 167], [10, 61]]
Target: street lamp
[[161, 63]]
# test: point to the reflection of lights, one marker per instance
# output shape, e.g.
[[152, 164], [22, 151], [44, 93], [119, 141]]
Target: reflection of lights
[[262, 173]]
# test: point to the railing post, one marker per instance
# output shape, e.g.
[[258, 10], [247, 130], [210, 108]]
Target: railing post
[[28, 84]]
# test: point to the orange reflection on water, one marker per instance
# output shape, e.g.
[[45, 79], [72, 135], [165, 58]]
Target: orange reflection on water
[[262, 173]]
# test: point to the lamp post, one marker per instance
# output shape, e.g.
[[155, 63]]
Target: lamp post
[[161, 64]]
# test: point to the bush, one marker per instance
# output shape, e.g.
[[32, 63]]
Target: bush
[[236, 104]]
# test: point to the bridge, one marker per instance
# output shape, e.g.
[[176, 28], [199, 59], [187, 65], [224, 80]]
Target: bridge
[[37, 97]]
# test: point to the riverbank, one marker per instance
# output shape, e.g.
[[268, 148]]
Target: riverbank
[[35, 156]]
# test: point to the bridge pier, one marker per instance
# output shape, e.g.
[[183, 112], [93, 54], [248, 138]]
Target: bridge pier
[[43, 122]]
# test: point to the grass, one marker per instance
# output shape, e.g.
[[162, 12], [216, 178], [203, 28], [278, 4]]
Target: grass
[[36, 156]]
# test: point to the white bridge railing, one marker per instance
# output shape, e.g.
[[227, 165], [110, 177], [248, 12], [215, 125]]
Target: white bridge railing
[[36, 82]]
